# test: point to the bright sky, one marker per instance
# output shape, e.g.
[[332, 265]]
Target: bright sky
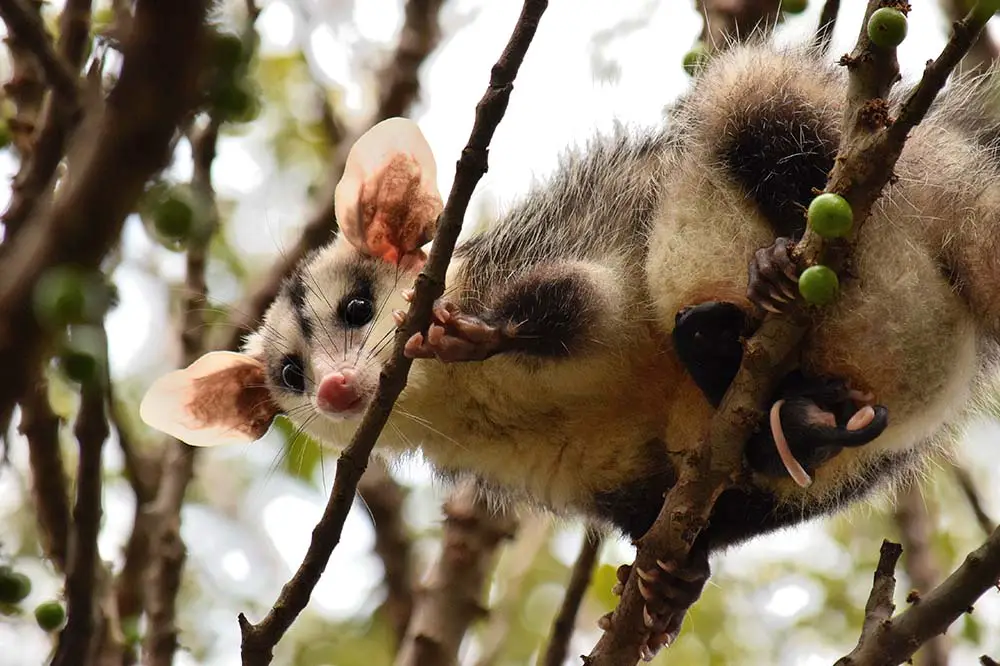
[[635, 45]]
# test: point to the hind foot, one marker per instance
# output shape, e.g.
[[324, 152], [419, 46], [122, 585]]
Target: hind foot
[[774, 281], [668, 592], [812, 419], [455, 336]]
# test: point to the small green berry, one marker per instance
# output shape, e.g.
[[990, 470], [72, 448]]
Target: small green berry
[[887, 27], [236, 101], [83, 354], [695, 58], [818, 285], [830, 215], [50, 615], [173, 214], [227, 52], [174, 218], [14, 586], [70, 295], [794, 6]]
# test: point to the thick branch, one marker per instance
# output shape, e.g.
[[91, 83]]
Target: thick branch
[[50, 487], [452, 597], [400, 86], [259, 640], [864, 164], [888, 642], [31, 30], [562, 628], [983, 51], [76, 638], [126, 144]]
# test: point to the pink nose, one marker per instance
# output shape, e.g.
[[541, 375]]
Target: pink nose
[[337, 392]]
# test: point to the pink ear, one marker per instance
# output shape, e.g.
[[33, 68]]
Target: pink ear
[[219, 399], [387, 202]]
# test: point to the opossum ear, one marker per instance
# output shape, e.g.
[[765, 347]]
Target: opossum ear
[[387, 202], [219, 399]]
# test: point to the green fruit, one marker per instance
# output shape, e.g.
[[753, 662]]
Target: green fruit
[[5, 135], [173, 214], [50, 615], [235, 101], [695, 58], [173, 218], [227, 52], [70, 295], [14, 586], [818, 285], [83, 354], [830, 215], [794, 6], [887, 27]]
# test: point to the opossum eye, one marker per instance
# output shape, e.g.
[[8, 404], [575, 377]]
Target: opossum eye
[[358, 312], [291, 374]]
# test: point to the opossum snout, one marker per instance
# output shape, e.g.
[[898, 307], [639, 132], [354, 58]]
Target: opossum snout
[[339, 393]]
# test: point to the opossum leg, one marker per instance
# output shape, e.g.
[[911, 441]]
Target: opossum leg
[[819, 417], [708, 342], [773, 282], [550, 312], [668, 591]]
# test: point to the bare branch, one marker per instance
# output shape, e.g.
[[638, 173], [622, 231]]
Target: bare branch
[[76, 640], [384, 498], [983, 51], [418, 38], [123, 146], [451, 599], [31, 30], [986, 661], [864, 164], [259, 640], [887, 642], [975, 501], [827, 24], [915, 528], [562, 628], [50, 487], [25, 88]]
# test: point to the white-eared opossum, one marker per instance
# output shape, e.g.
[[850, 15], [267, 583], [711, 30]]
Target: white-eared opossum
[[577, 388]]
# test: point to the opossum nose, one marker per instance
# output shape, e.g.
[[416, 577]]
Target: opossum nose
[[338, 392]]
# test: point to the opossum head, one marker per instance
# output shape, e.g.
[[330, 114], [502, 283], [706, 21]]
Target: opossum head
[[319, 351]]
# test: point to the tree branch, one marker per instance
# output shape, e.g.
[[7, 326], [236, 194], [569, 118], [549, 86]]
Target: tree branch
[[126, 143], [827, 24], [565, 622], [888, 641], [983, 51], [451, 599], [259, 640], [864, 164], [726, 21], [48, 472], [400, 87], [968, 487], [25, 89], [31, 30], [76, 640]]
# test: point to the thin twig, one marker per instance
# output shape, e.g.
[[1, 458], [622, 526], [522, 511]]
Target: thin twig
[[887, 640], [863, 167], [400, 86], [916, 525], [126, 143], [259, 640], [77, 638], [968, 487], [29, 28], [983, 51], [25, 89], [452, 597], [562, 628], [827, 24], [50, 487]]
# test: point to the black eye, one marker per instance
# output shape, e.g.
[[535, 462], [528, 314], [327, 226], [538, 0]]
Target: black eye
[[358, 312], [291, 374]]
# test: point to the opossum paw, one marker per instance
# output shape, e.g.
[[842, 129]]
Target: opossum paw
[[455, 336], [812, 420], [708, 339], [668, 592], [773, 280]]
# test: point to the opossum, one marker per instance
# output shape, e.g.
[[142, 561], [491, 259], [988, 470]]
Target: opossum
[[588, 335]]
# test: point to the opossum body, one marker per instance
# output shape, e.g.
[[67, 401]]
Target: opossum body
[[577, 391]]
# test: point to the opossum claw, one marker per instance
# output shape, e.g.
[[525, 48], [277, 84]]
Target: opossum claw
[[455, 336]]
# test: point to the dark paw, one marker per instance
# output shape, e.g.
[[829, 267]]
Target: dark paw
[[811, 421], [708, 339], [668, 592], [455, 336], [773, 281]]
